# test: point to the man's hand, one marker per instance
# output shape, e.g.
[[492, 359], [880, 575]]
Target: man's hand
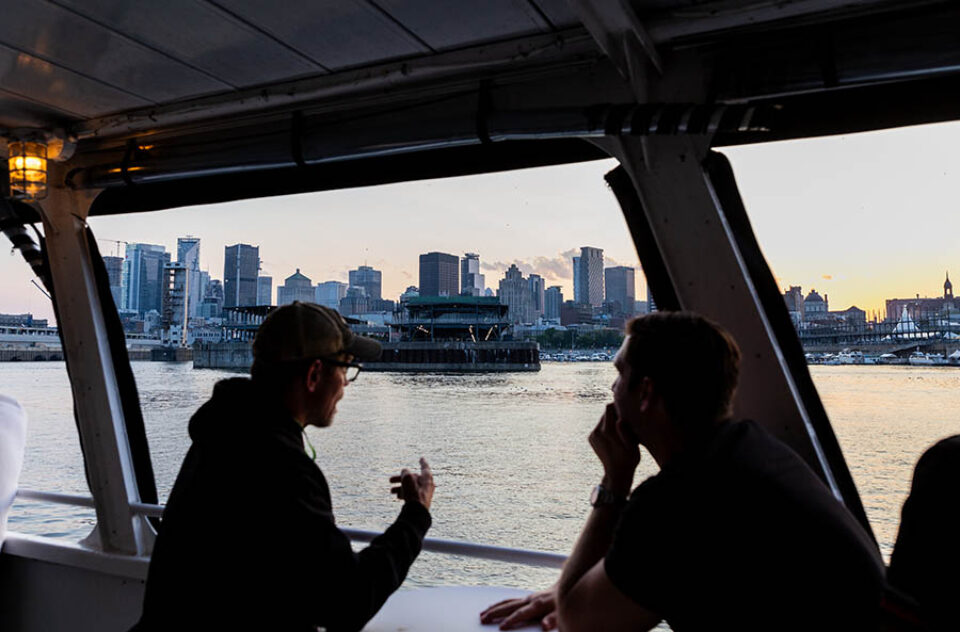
[[514, 613], [415, 487], [618, 451]]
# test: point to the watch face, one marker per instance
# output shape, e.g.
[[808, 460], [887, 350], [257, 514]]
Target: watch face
[[595, 495]]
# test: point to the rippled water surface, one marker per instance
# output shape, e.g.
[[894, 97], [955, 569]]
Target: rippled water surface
[[509, 451]]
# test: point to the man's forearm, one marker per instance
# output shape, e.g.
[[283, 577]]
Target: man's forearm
[[591, 547]]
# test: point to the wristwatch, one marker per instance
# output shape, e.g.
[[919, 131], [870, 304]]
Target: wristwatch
[[603, 496]]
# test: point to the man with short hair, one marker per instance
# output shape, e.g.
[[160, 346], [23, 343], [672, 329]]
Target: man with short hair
[[248, 539], [734, 532]]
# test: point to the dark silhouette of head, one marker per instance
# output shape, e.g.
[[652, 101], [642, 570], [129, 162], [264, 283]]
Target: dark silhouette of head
[[692, 362]]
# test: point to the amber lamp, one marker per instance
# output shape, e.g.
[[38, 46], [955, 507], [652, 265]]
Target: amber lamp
[[27, 164]]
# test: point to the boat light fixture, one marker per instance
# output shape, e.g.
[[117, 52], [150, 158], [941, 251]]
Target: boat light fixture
[[27, 165]]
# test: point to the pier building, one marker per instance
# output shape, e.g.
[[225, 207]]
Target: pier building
[[474, 318]]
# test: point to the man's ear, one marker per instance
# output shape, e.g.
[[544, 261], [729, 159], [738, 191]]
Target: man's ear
[[314, 376], [647, 393]]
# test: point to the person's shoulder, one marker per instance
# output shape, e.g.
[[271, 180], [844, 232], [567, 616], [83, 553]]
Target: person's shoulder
[[939, 465]]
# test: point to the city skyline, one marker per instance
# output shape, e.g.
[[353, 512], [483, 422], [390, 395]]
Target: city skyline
[[844, 215]]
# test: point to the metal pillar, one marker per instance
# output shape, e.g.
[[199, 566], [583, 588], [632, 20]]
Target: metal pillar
[[96, 395], [688, 222]]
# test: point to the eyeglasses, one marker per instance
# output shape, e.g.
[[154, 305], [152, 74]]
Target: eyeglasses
[[352, 368]]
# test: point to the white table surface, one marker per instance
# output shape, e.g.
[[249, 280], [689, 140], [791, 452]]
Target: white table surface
[[445, 608]]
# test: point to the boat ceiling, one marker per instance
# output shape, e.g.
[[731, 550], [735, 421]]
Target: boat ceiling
[[165, 92], [69, 62]]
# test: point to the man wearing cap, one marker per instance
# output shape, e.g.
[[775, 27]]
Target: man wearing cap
[[248, 539]]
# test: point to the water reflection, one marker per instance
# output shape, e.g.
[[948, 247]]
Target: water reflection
[[509, 450]]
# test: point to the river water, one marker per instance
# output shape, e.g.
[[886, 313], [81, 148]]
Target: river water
[[509, 451]]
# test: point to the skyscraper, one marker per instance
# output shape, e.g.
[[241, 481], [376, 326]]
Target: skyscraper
[[576, 280], [537, 293], [188, 255], [552, 300], [471, 281], [264, 290], [296, 287], [174, 314], [367, 278], [329, 293], [114, 266], [439, 274], [515, 293], [241, 266], [591, 276], [621, 288], [143, 277]]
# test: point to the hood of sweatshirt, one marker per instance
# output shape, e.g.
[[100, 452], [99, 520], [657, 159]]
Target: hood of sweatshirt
[[241, 412]]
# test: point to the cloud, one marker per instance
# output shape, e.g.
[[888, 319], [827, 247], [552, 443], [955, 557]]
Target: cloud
[[556, 268]]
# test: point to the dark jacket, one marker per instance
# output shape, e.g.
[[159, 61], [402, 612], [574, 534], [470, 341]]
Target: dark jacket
[[248, 538]]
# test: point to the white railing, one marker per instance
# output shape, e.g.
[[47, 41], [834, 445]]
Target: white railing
[[433, 545]]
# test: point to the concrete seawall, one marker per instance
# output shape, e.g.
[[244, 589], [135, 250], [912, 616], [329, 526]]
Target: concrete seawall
[[237, 356]]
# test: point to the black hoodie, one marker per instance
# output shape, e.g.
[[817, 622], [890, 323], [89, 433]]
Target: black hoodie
[[248, 539]]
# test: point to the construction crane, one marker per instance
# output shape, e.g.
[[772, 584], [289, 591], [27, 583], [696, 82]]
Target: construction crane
[[115, 241]]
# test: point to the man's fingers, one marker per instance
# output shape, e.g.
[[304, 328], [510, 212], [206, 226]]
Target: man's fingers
[[396, 490], [533, 610], [549, 622], [395, 479], [500, 610]]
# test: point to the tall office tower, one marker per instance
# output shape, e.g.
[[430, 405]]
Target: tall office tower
[[471, 281], [204, 282], [621, 288], [651, 304], [536, 292], [174, 314], [515, 293], [329, 293], [576, 280], [114, 266], [188, 254], [296, 287], [264, 290], [367, 278], [552, 300], [439, 274], [142, 278], [241, 267], [591, 276]]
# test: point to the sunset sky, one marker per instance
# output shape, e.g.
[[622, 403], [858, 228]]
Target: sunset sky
[[861, 218]]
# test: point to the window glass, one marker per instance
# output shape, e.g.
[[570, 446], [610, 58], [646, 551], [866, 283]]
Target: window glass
[[32, 372], [509, 449], [859, 232]]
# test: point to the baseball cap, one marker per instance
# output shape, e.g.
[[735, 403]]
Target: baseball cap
[[301, 331]]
